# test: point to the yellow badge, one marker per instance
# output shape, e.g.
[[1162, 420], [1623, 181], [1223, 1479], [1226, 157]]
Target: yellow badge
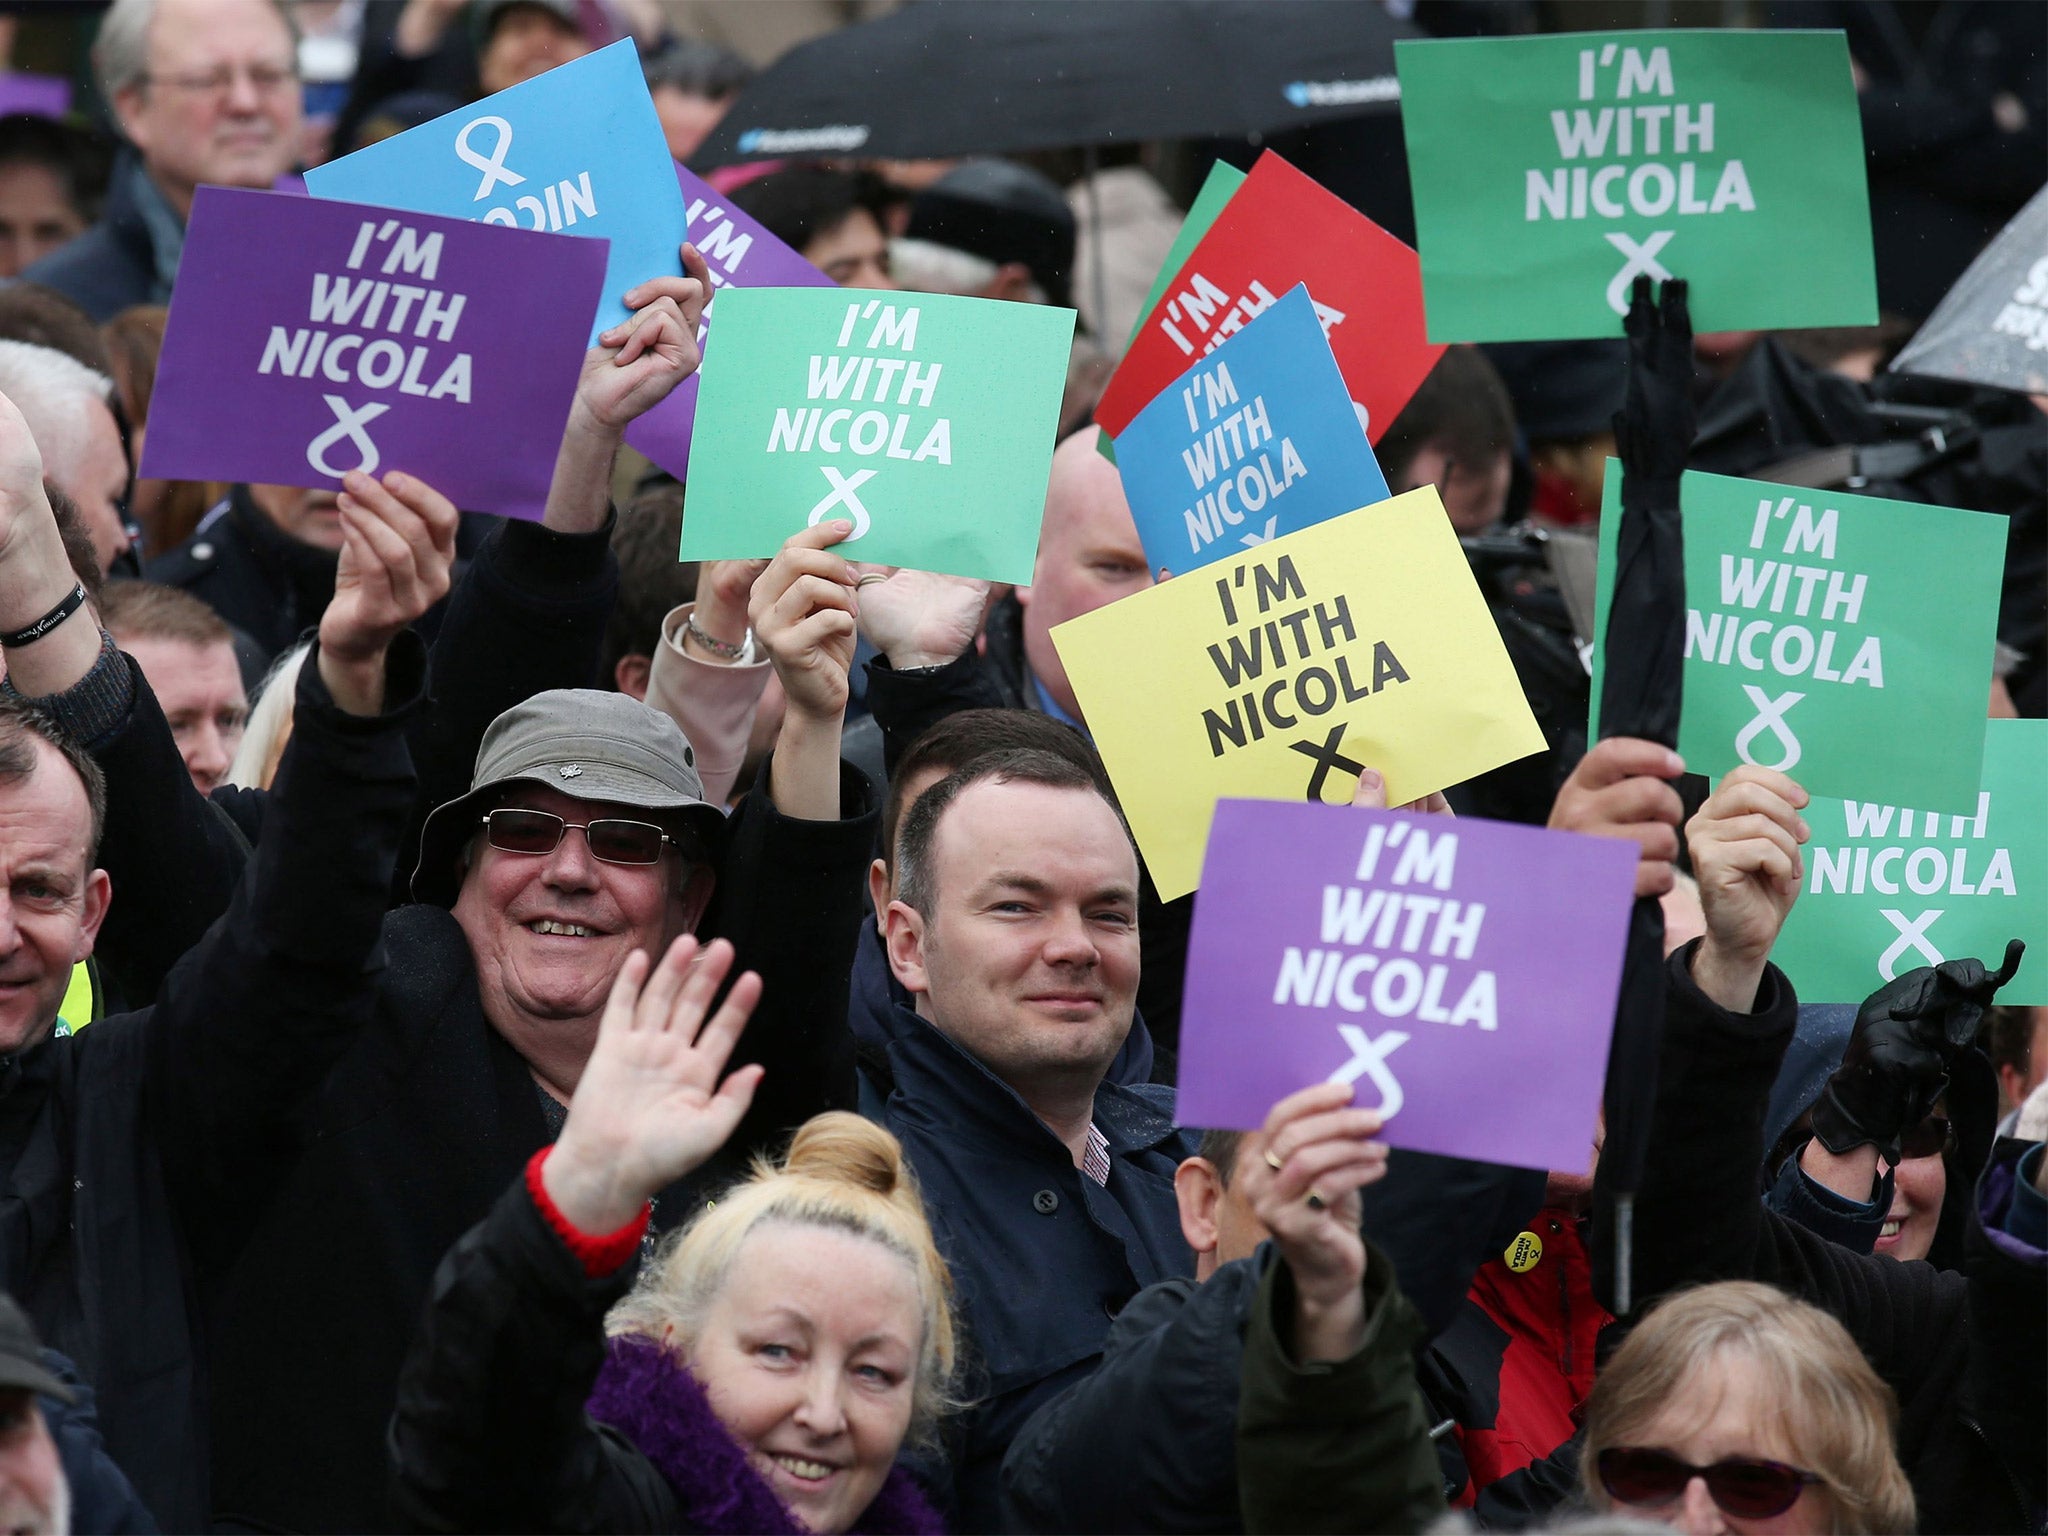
[[1523, 1253]]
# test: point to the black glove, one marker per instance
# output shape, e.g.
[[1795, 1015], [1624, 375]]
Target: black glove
[[1896, 1065]]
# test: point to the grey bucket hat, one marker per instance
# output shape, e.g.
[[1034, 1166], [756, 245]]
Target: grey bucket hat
[[587, 744]]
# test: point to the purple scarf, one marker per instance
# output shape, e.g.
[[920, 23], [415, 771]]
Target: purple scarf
[[648, 1395]]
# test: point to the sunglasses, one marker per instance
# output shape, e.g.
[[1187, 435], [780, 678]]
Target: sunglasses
[[1743, 1486], [612, 840], [1930, 1138]]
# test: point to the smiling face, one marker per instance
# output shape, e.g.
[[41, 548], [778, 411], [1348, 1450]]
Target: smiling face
[[51, 900], [808, 1355], [549, 932], [1029, 959], [1919, 1184]]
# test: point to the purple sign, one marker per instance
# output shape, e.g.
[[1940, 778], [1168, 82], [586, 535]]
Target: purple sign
[[308, 338], [36, 95], [1461, 973], [739, 252]]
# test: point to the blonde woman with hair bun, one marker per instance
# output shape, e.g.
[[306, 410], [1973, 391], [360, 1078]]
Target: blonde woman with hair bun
[[767, 1367]]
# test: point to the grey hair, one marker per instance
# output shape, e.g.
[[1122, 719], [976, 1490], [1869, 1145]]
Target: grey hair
[[925, 266], [50, 388], [120, 49]]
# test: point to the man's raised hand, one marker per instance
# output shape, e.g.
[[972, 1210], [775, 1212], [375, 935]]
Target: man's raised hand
[[397, 556], [920, 618], [21, 477], [803, 616], [1619, 789], [650, 1107], [1745, 853]]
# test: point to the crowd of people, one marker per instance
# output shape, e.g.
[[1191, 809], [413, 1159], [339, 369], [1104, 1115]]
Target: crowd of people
[[613, 1044]]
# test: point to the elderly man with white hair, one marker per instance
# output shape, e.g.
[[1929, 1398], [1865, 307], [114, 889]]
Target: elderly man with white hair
[[203, 91], [66, 406]]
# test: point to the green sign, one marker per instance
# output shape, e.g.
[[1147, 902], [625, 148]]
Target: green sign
[[1890, 887], [1842, 639], [924, 420], [1218, 187], [1550, 171]]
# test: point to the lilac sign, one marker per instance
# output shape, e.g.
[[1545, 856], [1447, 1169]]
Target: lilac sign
[[36, 95], [308, 338], [739, 252], [1461, 973]]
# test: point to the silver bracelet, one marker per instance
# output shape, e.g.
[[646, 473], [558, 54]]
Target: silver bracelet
[[724, 650]]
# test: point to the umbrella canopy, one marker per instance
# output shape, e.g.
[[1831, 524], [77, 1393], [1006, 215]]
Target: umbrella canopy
[[1993, 326], [1643, 656], [955, 77]]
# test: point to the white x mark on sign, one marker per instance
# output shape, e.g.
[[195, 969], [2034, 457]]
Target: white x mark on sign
[[1770, 716], [843, 487], [349, 423], [1641, 258], [493, 167], [1369, 1059], [1912, 936], [1272, 527]]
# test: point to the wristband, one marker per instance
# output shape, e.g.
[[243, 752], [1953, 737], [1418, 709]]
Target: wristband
[[47, 622], [599, 1254], [725, 650]]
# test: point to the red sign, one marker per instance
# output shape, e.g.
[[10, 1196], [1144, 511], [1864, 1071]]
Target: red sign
[[1279, 229]]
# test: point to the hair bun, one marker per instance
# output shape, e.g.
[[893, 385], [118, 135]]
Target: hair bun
[[847, 1149]]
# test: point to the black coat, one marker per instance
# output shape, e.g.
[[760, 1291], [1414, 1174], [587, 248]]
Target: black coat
[[423, 1124], [1967, 1354], [526, 616], [113, 264], [270, 586], [1043, 1258], [143, 1149], [1148, 1442]]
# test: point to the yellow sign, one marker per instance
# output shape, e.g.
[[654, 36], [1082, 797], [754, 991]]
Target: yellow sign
[[1358, 642]]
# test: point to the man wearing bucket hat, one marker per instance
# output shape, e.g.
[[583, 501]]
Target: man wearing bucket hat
[[582, 836]]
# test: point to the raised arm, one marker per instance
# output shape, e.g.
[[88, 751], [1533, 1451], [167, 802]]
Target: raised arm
[[490, 1430], [246, 1029]]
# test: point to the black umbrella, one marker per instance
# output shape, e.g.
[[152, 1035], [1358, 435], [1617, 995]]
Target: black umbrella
[[1992, 328], [1643, 652], [954, 77]]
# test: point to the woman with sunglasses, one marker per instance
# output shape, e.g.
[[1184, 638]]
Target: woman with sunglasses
[[1734, 1408]]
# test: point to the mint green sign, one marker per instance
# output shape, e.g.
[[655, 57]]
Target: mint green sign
[[1842, 639], [926, 421], [1891, 887], [1550, 171], [1218, 187]]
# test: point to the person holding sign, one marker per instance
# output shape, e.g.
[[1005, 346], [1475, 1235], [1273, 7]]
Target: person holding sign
[[1966, 1354]]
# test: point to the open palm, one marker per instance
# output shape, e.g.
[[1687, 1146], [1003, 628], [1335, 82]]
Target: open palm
[[650, 1107]]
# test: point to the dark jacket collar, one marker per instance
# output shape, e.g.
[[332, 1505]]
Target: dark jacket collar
[[945, 1088], [307, 570]]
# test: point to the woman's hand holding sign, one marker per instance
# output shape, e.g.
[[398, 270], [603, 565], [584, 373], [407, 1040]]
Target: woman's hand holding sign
[[1303, 1183], [803, 615]]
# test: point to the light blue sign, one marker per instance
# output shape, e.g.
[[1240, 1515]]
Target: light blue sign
[[1256, 440], [577, 150]]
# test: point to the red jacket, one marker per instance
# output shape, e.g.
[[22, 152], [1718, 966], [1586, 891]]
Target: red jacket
[[1514, 1369]]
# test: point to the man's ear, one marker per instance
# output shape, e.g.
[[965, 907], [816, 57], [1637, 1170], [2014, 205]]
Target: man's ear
[[127, 105], [1198, 1190], [99, 895], [630, 674], [904, 932], [878, 889]]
